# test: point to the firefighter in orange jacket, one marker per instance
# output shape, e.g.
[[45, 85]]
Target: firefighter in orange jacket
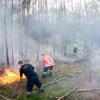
[[48, 64]]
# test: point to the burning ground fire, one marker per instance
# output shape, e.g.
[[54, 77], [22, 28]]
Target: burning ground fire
[[9, 76]]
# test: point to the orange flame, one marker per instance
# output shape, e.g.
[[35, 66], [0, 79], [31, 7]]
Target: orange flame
[[9, 76]]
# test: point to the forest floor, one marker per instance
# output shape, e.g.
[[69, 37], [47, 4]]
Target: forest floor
[[66, 74], [65, 80]]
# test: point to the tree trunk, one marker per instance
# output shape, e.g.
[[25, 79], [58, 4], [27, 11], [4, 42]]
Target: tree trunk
[[5, 32]]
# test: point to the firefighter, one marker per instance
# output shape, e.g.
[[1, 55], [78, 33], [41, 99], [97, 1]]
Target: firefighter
[[32, 77], [48, 64]]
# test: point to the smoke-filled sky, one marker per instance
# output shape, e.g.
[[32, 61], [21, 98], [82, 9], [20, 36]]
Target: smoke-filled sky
[[52, 24]]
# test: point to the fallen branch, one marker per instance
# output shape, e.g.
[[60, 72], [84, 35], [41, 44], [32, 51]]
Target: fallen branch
[[54, 81], [87, 90], [19, 92], [57, 80], [14, 91], [67, 94], [5, 98]]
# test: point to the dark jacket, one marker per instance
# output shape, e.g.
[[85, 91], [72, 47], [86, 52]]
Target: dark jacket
[[28, 71]]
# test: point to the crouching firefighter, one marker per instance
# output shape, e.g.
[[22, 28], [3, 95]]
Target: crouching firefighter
[[32, 77], [48, 64]]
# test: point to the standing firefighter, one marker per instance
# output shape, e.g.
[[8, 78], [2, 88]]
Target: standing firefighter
[[48, 64], [32, 77]]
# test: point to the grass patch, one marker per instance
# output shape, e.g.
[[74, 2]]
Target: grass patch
[[38, 96], [5, 92]]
